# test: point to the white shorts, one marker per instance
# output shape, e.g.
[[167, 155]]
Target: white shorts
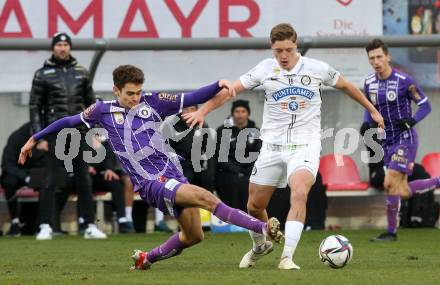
[[276, 163]]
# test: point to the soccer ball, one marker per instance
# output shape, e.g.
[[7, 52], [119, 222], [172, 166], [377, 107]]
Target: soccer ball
[[335, 251]]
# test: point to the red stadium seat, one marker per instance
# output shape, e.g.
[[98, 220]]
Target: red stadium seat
[[342, 177], [431, 163]]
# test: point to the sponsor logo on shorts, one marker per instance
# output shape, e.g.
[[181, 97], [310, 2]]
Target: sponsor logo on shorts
[[171, 184]]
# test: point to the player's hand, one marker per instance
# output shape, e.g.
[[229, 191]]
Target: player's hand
[[227, 85], [406, 124], [110, 175], [43, 145], [377, 117], [26, 150], [194, 119]]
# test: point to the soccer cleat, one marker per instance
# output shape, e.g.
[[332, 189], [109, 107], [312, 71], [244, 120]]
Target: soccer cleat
[[14, 230], [385, 237], [140, 260], [92, 232], [45, 232], [288, 264], [251, 257], [273, 230]]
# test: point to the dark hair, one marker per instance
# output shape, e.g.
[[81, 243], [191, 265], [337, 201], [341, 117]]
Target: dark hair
[[281, 32], [375, 44], [124, 74]]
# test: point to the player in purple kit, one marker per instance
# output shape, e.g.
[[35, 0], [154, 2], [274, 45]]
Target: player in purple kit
[[392, 91], [132, 123]]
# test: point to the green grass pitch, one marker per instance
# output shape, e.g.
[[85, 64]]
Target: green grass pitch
[[414, 259]]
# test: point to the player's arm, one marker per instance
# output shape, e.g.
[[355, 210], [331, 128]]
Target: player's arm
[[356, 94], [87, 117], [56, 126], [424, 107], [198, 117]]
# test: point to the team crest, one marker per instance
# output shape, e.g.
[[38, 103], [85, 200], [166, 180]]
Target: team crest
[[391, 95], [119, 118], [305, 80], [373, 98], [144, 112]]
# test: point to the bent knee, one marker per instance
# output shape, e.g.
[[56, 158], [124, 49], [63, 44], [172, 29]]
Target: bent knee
[[299, 196], [194, 239], [255, 209]]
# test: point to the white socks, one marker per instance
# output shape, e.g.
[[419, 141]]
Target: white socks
[[258, 241], [128, 213], [292, 234], [158, 216]]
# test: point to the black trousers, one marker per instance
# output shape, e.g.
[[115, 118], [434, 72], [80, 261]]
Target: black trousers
[[83, 186], [11, 183], [117, 190], [233, 189]]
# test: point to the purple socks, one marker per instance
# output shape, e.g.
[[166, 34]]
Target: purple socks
[[172, 247], [238, 218], [424, 185], [393, 206]]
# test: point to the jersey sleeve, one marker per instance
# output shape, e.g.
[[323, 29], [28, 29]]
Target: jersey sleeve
[[92, 115], [415, 93], [253, 77], [165, 103], [329, 75]]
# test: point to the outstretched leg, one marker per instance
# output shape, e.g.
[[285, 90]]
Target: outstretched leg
[[189, 195], [191, 234]]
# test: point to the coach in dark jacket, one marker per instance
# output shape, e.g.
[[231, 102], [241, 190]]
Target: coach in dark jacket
[[61, 88], [15, 176], [232, 177]]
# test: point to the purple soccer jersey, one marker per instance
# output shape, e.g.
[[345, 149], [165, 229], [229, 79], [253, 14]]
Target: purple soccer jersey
[[134, 136], [392, 97]]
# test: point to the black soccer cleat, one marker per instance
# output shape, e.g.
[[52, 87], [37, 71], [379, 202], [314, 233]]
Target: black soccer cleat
[[385, 237]]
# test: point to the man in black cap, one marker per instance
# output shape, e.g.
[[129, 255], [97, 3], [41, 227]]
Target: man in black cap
[[232, 177], [62, 88]]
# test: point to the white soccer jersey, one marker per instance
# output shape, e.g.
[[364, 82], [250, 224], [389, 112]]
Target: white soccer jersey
[[292, 109]]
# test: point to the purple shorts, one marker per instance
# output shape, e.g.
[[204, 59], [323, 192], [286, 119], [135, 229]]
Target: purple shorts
[[400, 157], [161, 194]]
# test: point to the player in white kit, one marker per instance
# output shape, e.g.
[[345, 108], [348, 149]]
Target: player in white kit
[[291, 134]]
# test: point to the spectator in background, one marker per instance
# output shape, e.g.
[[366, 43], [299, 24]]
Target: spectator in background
[[15, 176], [203, 177], [105, 178], [232, 177], [61, 88]]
